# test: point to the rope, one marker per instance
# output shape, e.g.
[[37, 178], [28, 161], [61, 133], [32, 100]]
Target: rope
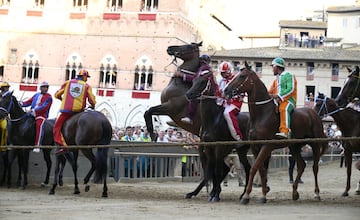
[[212, 144]]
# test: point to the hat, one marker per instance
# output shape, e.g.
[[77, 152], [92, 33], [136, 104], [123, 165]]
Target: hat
[[44, 84], [4, 84], [278, 61]]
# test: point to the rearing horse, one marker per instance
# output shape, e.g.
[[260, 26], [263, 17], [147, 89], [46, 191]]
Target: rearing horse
[[348, 120], [22, 133], [214, 128], [173, 100], [351, 88], [264, 123]]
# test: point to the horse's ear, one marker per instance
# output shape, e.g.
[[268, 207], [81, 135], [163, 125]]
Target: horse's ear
[[357, 69], [247, 65], [348, 69], [200, 44]]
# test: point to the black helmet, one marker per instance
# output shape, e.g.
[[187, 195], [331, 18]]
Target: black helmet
[[204, 59]]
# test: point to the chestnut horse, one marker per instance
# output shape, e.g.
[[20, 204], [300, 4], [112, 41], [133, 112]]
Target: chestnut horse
[[214, 128], [351, 88], [348, 120], [21, 129], [264, 123]]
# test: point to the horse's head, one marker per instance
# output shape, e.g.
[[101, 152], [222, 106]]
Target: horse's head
[[241, 83], [9, 105], [185, 52], [203, 85], [351, 88], [324, 105]]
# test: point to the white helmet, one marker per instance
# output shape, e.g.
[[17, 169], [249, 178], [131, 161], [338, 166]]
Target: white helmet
[[46, 84], [225, 67]]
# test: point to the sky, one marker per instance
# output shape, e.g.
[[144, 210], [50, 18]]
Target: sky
[[254, 17]]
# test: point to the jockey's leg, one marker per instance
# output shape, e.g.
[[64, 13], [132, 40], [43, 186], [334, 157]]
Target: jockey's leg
[[285, 109], [230, 115]]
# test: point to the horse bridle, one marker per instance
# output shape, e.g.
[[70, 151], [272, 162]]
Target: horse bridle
[[7, 111], [356, 87], [207, 89], [324, 107]]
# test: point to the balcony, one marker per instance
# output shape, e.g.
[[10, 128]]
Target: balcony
[[147, 16], [28, 87], [111, 16], [77, 15], [34, 13], [4, 11], [105, 92], [140, 94]]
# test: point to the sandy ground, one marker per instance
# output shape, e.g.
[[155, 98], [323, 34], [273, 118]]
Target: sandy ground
[[150, 200]]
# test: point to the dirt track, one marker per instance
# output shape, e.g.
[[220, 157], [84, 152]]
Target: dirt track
[[166, 200]]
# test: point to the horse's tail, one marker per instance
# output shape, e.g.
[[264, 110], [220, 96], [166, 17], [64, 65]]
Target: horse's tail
[[102, 153]]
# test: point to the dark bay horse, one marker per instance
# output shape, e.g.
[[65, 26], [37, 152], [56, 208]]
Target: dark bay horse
[[214, 128], [173, 100], [351, 88], [348, 120], [87, 128], [21, 129], [264, 123]]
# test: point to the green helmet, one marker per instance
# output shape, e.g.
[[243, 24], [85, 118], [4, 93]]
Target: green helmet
[[278, 61]]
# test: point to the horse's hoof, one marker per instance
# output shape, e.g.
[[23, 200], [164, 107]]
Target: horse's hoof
[[76, 191], [267, 189], [245, 201], [52, 192], [317, 197], [104, 195], [43, 184], [61, 182], [241, 196], [345, 194], [263, 200], [215, 199], [357, 192], [87, 188], [188, 196], [295, 196]]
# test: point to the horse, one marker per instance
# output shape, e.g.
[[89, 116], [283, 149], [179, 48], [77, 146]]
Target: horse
[[21, 132], [351, 88], [348, 120], [173, 100], [87, 128], [264, 123], [214, 128]]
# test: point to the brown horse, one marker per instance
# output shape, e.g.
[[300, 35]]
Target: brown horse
[[214, 128], [351, 88], [264, 123], [173, 100], [348, 120], [87, 128]]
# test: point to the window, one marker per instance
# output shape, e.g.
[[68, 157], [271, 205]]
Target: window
[[1, 72], [335, 91], [5, 3], [80, 5], [236, 65], [30, 68], [258, 68], [149, 5], [143, 74], [108, 76], [309, 96], [73, 66], [114, 5], [214, 65], [310, 70], [39, 4], [335, 72]]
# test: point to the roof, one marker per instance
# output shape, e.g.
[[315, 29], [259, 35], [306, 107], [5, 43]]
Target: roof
[[323, 54], [343, 9], [302, 24]]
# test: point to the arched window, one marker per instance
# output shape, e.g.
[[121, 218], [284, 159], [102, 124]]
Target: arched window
[[149, 5], [114, 5], [73, 66], [108, 72], [30, 68], [143, 77]]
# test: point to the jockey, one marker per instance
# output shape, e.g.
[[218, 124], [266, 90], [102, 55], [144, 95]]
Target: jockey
[[232, 105], [284, 91], [73, 95], [204, 68], [4, 89], [40, 106]]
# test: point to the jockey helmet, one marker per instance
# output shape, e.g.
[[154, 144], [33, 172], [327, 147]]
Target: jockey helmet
[[225, 67], [278, 61], [84, 74], [4, 84], [44, 84], [204, 59]]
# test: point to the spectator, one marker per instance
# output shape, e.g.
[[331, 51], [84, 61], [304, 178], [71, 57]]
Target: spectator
[[162, 137]]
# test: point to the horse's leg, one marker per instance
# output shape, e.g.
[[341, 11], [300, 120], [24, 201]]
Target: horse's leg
[[56, 174], [20, 160], [11, 158], [62, 162], [205, 178], [357, 191], [348, 163], [220, 172], [72, 157], [47, 158], [242, 153], [5, 160], [26, 153], [91, 157], [259, 162], [300, 163], [316, 159]]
